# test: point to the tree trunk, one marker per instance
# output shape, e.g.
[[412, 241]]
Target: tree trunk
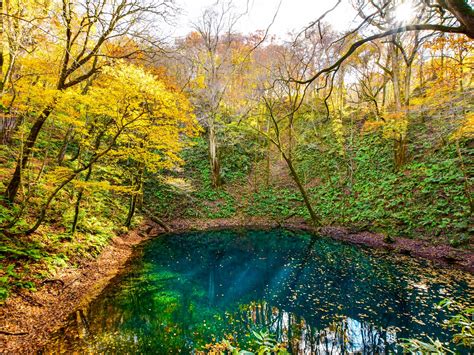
[[463, 12], [65, 144], [8, 126], [134, 198], [13, 186], [407, 85], [400, 152], [290, 137], [314, 218], [131, 210], [268, 156], [399, 146], [421, 81], [384, 96], [396, 77], [213, 156], [51, 197], [78, 202]]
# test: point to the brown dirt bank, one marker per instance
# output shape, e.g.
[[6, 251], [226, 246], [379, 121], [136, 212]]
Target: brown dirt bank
[[443, 255], [32, 317]]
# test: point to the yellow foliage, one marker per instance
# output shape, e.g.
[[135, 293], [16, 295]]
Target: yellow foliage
[[59, 174], [149, 117], [396, 124], [337, 128], [372, 126], [199, 82], [394, 127], [102, 186], [467, 128]]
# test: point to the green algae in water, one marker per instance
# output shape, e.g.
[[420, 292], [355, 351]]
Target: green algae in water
[[316, 295]]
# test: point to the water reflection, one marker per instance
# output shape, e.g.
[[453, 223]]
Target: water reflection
[[315, 295], [344, 335]]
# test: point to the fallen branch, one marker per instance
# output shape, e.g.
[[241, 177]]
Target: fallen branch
[[53, 281], [280, 221], [70, 283], [4, 332], [29, 299], [156, 220]]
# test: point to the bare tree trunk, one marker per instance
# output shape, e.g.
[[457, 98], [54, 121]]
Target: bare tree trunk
[[403, 146], [461, 74], [8, 125], [62, 151], [213, 157], [399, 143], [421, 79], [267, 168], [290, 137], [407, 85], [314, 218], [254, 167], [384, 95], [396, 77]]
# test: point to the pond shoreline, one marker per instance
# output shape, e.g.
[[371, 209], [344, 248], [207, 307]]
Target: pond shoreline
[[31, 318], [442, 255]]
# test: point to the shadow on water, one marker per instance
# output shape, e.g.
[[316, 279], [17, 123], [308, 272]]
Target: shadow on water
[[316, 295]]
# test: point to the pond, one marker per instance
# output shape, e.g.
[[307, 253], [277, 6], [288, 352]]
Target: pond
[[313, 294]]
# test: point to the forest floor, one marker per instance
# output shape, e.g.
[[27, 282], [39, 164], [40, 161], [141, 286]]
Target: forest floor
[[29, 318]]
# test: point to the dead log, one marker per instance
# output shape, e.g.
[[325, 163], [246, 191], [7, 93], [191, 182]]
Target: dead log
[[156, 220]]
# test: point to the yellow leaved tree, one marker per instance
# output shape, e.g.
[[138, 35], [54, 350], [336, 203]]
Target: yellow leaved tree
[[127, 121]]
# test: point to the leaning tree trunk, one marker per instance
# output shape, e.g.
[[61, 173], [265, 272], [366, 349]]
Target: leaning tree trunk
[[314, 218], [78, 202], [14, 185]]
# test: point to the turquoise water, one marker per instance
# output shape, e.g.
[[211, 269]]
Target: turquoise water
[[313, 294]]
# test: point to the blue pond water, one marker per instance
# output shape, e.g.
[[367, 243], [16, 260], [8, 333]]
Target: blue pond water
[[312, 294]]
